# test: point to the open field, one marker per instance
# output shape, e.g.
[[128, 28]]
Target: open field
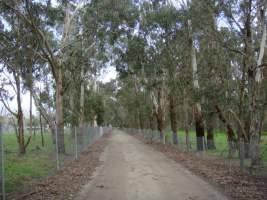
[[38, 162]]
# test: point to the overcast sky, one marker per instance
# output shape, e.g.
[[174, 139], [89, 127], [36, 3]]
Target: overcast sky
[[105, 76]]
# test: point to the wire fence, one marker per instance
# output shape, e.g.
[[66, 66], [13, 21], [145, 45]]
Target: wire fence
[[42, 157], [247, 157]]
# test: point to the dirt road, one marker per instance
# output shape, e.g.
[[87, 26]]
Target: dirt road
[[133, 171]]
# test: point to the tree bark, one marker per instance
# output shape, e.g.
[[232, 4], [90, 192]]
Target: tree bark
[[59, 111], [159, 113], [34, 131], [151, 121], [81, 114], [31, 113], [200, 133], [200, 136], [141, 121], [139, 109], [254, 80], [160, 123], [210, 133], [186, 127], [230, 131], [173, 118], [262, 23], [41, 129], [158, 103], [22, 149], [254, 118]]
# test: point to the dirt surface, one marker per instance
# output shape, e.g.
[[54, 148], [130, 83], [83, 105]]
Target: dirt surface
[[69, 180], [134, 171], [234, 183]]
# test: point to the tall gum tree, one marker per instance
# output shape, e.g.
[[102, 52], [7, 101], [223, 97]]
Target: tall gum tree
[[14, 62], [243, 14], [54, 58], [197, 112]]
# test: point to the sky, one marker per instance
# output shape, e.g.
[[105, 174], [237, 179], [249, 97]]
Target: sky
[[106, 75]]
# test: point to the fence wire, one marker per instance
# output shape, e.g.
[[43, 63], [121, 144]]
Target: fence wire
[[2, 169], [78, 139], [233, 155], [42, 156]]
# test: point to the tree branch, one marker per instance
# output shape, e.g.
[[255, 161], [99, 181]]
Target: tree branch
[[262, 65], [239, 123], [15, 128], [52, 58], [28, 141], [7, 107], [42, 109]]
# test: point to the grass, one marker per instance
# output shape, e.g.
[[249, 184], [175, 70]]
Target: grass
[[37, 163], [221, 144]]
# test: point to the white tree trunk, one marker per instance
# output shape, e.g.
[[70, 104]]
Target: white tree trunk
[[193, 57], [194, 67], [81, 100], [262, 48], [30, 112]]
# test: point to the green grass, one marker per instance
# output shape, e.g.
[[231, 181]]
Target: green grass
[[221, 144], [37, 163]]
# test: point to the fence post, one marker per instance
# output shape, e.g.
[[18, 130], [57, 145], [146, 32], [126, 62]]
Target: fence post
[[76, 143], [57, 156], [255, 150], [2, 164], [203, 143], [230, 155], [101, 131], [187, 141], [242, 154]]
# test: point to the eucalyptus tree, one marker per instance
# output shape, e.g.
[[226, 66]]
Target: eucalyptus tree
[[53, 51], [172, 58], [192, 51], [204, 55], [160, 24], [243, 16], [15, 58], [152, 71]]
